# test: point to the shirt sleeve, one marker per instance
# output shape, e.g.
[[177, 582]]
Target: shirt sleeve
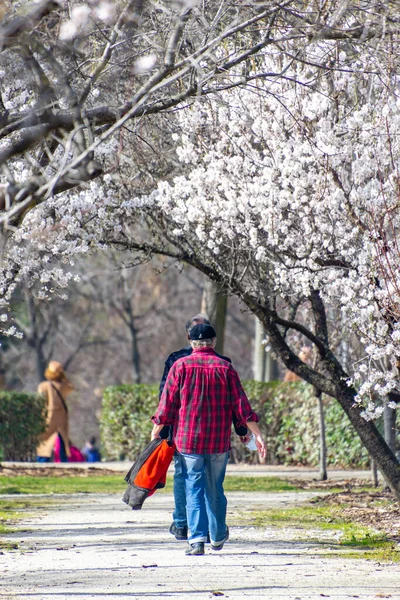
[[239, 429], [170, 399], [242, 410]]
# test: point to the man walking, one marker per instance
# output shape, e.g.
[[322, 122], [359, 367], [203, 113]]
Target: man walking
[[179, 523], [201, 392]]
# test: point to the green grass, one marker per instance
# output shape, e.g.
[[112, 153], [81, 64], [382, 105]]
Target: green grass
[[11, 513], [335, 489], [115, 483], [257, 484], [305, 518], [26, 484], [356, 541]]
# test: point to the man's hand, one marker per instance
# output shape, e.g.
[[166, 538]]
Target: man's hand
[[261, 447], [155, 434]]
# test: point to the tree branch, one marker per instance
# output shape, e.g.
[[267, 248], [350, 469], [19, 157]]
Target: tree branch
[[10, 33], [318, 307]]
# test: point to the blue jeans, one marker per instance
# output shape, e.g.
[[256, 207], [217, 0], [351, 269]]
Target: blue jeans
[[205, 499], [179, 514]]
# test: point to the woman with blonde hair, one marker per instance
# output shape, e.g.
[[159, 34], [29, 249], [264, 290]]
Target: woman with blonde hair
[[55, 389]]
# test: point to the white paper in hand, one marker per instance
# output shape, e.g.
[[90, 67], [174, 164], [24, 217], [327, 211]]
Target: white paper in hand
[[251, 444]]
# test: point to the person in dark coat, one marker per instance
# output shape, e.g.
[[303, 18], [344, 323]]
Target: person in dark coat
[[179, 527]]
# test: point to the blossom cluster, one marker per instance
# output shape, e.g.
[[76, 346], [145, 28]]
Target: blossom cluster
[[300, 178], [81, 16]]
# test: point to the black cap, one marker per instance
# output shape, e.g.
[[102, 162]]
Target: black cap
[[202, 332]]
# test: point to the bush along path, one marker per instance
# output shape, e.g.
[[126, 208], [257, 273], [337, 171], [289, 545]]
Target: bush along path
[[282, 545], [289, 420]]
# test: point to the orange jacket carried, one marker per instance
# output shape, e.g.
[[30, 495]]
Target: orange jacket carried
[[148, 473]]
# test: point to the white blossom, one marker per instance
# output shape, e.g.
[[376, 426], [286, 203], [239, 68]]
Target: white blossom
[[145, 63]]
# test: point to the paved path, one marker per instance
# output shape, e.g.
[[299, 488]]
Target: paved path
[[86, 547]]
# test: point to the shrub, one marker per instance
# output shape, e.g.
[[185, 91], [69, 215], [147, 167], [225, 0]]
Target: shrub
[[289, 422], [125, 425], [22, 420], [300, 423], [270, 401]]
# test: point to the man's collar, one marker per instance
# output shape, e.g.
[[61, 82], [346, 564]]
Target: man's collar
[[204, 349]]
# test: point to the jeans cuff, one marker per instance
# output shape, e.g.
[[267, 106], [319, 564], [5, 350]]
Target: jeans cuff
[[198, 539]]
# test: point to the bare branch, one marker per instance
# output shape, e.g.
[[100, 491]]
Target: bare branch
[[10, 32]]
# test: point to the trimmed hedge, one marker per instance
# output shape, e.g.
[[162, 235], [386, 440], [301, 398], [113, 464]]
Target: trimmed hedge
[[125, 425], [289, 421], [22, 420]]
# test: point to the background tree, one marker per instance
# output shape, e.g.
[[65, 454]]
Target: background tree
[[133, 295], [214, 304], [93, 342], [265, 366]]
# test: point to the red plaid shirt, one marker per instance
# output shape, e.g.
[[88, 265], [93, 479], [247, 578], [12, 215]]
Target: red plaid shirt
[[200, 394]]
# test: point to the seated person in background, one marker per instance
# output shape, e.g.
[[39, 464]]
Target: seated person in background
[[90, 451]]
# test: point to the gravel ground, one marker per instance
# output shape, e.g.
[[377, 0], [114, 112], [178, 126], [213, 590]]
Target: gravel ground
[[84, 547]]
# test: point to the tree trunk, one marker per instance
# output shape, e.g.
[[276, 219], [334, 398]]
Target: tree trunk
[[323, 474], [136, 366], [214, 305], [389, 421], [265, 368], [35, 340], [334, 385], [374, 472], [130, 320], [376, 446], [389, 425], [41, 365]]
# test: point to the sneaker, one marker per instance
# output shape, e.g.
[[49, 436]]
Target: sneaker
[[220, 545], [180, 533], [196, 549]]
